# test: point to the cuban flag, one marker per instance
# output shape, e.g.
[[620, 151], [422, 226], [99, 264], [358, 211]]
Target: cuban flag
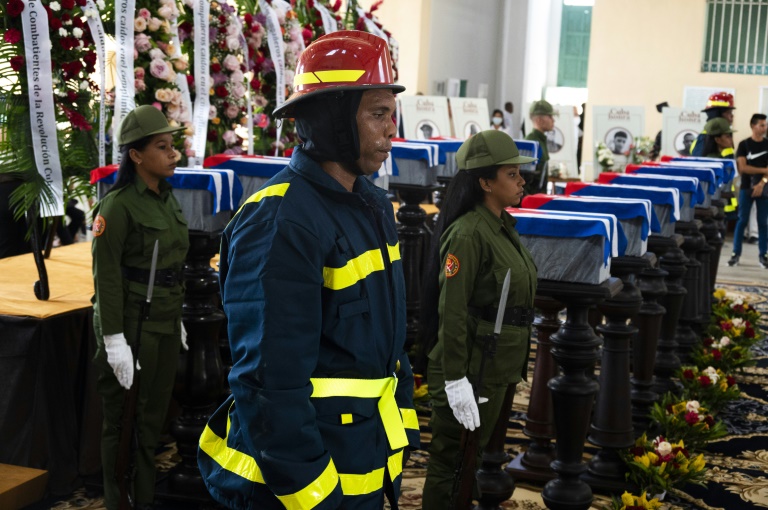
[[669, 197]]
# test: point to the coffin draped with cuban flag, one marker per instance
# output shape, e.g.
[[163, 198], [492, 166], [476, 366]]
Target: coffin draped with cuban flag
[[707, 177], [689, 187], [253, 171], [636, 216], [569, 246], [207, 197], [666, 201], [729, 165]]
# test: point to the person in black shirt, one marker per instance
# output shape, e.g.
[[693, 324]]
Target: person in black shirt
[[752, 163]]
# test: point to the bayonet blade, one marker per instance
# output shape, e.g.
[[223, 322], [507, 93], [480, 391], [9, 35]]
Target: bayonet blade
[[502, 303], [152, 269]]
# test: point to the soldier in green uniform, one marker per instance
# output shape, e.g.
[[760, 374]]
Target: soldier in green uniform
[[542, 117], [477, 244], [138, 210]]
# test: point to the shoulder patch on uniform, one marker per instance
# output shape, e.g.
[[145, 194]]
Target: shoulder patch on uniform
[[99, 226], [451, 266]]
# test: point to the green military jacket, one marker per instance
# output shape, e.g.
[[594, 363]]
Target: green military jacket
[[537, 136], [126, 225], [477, 249]]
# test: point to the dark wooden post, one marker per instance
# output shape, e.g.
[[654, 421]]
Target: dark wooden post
[[575, 349], [690, 314], [534, 464], [494, 484]]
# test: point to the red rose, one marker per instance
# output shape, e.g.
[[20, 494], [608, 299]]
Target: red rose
[[72, 96], [12, 36], [709, 420], [360, 24], [717, 354], [749, 332], [691, 418], [318, 22], [17, 62], [212, 136], [190, 80], [730, 380], [65, 17], [337, 5], [669, 408], [311, 4], [221, 91], [708, 341], [255, 84], [81, 3], [223, 19], [306, 34], [705, 380], [248, 18], [14, 8], [726, 325], [68, 4], [216, 68], [688, 374], [55, 24], [637, 451]]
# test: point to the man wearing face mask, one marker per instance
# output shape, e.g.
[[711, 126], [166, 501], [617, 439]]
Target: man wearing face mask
[[321, 414]]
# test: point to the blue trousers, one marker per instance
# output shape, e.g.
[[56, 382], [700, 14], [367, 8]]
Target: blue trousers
[[745, 204]]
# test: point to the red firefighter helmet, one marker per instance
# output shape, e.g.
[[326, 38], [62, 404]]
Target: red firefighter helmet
[[344, 60], [720, 100]]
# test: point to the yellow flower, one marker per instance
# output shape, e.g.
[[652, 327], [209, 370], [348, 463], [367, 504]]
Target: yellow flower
[[679, 407], [652, 457], [662, 468], [719, 293], [627, 499], [216, 121], [644, 460], [698, 463], [211, 92]]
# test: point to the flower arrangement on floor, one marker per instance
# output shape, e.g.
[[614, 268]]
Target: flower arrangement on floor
[[658, 465], [687, 421], [631, 502], [228, 83], [723, 354], [710, 386], [155, 66], [73, 58], [604, 157], [732, 307]]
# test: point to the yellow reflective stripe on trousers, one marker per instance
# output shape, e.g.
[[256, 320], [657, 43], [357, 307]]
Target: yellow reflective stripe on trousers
[[410, 420], [229, 458], [314, 493], [276, 190], [383, 389], [337, 278]]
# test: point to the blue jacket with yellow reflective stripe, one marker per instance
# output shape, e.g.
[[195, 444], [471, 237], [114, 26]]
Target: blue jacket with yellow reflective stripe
[[312, 285]]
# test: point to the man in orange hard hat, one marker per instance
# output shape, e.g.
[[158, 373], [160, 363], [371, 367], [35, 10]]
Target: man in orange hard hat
[[321, 414]]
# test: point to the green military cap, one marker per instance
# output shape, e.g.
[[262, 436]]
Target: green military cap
[[542, 107], [144, 121], [488, 148], [718, 126]]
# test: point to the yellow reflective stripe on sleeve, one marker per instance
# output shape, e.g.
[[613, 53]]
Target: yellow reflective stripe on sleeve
[[305, 79], [340, 75], [314, 493], [276, 190], [359, 268], [410, 420], [383, 389], [229, 458], [395, 465], [394, 252], [727, 152]]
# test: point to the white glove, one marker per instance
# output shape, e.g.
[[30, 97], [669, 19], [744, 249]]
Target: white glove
[[462, 402], [120, 358], [184, 337]]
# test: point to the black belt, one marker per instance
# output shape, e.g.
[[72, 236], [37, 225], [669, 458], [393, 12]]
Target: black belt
[[513, 316], [163, 277]]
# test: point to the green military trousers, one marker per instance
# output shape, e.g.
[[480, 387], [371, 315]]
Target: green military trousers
[[158, 359], [444, 454]]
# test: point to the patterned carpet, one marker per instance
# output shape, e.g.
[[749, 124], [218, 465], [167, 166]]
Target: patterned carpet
[[738, 462]]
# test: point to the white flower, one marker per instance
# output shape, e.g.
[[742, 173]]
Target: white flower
[[154, 24], [233, 43], [100, 4], [738, 300], [84, 85], [139, 24], [77, 32], [156, 53], [54, 6], [211, 112], [714, 378], [709, 371], [237, 76], [63, 32], [737, 322], [692, 406], [92, 13], [664, 448], [725, 341], [231, 63]]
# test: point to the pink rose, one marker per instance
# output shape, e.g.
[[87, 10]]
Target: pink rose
[[154, 24], [142, 43], [231, 63], [139, 85], [159, 68], [232, 111], [158, 106], [237, 76], [138, 73], [144, 13], [211, 112], [238, 90], [229, 137]]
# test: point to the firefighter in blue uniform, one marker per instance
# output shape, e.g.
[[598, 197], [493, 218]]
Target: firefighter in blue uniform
[[321, 414]]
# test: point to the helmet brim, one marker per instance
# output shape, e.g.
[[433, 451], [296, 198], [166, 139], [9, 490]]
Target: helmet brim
[[287, 109]]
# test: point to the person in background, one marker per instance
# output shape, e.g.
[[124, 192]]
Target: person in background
[[719, 105], [139, 210], [473, 246], [321, 414], [752, 163], [543, 120], [719, 140], [509, 120], [656, 149], [497, 121]]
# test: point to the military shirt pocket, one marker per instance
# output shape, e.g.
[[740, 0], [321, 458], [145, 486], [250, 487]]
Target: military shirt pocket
[[151, 231], [511, 356], [356, 307]]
